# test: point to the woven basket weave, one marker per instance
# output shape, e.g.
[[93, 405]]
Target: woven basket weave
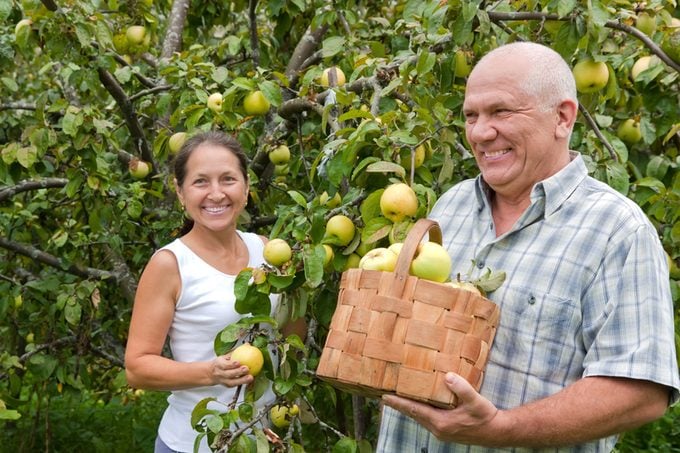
[[395, 333]]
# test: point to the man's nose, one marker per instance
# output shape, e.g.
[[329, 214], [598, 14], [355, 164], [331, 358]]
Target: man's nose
[[482, 130]]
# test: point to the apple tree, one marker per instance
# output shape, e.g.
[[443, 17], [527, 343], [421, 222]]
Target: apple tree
[[334, 101]]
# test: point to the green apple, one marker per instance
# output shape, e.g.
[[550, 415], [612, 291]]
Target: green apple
[[431, 262], [590, 75], [255, 103], [281, 170], [280, 415], [250, 356], [277, 251], [379, 259], [176, 141], [215, 102], [466, 286], [352, 261], [280, 155], [23, 26], [325, 79], [398, 201], [120, 43], [340, 229], [138, 168], [629, 131], [135, 34], [462, 68], [365, 247], [646, 23], [671, 45], [418, 158], [30, 337], [396, 247]]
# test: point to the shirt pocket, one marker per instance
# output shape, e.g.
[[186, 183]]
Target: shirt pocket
[[539, 334]]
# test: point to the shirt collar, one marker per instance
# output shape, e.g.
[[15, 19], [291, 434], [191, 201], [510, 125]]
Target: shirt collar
[[555, 189]]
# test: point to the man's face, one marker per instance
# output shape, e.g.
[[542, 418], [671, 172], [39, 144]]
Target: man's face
[[514, 141]]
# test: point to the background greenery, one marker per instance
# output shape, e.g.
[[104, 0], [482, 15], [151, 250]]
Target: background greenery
[[78, 105]]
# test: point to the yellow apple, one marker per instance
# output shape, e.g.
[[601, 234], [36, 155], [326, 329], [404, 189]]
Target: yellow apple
[[280, 415], [379, 259], [671, 44], [462, 68], [279, 155], [431, 262], [326, 200], [328, 258], [176, 141], [138, 168], [120, 43], [418, 159], [590, 75], [629, 131], [643, 63], [250, 356], [135, 34], [325, 79], [215, 102], [277, 251], [646, 23], [255, 103], [466, 286], [398, 201], [341, 229], [396, 247]]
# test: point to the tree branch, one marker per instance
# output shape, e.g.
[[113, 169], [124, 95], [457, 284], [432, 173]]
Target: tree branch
[[53, 261], [26, 186], [306, 47], [129, 114], [173, 35], [17, 106], [254, 40]]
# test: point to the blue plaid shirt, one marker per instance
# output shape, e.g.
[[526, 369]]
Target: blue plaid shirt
[[586, 294]]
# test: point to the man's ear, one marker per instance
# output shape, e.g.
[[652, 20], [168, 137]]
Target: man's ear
[[566, 117]]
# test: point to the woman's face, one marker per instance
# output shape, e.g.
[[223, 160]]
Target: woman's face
[[214, 191]]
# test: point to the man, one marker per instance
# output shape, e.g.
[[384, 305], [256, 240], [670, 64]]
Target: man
[[585, 347]]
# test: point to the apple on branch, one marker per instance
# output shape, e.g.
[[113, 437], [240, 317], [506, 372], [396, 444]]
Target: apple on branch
[[326, 77], [590, 75], [135, 34], [398, 201], [340, 230], [138, 168], [255, 103], [176, 141], [277, 252], [215, 102], [280, 155], [629, 131]]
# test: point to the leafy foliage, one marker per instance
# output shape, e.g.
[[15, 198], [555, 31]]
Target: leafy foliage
[[79, 102]]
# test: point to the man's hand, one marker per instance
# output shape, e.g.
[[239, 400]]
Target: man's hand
[[469, 422]]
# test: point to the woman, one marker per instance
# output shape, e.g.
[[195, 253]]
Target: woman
[[186, 291]]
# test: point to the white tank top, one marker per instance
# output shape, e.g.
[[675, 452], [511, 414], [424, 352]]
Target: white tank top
[[205, 306]]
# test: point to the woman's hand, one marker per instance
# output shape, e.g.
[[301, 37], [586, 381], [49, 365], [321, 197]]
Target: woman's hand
[[229, 372]]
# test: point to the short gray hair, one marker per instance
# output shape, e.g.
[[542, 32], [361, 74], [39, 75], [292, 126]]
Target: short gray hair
[[549, 78]]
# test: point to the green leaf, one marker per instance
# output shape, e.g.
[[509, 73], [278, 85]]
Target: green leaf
[[345, 445], [426, 62], [201, 410], [332, 46], [313, 258], [220, 74], [617, 177], [9, 414], [298, 198], [386, 167], [214, 423], [27, 156], [376, 229], [565, 7], [370, 207]]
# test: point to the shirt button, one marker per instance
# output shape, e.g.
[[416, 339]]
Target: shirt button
[[480, 264], [532, 300]]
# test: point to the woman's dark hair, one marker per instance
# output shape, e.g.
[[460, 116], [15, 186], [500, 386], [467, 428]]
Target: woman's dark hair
[[215, 138]]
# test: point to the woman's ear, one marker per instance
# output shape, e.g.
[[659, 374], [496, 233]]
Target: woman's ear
[[178, 191]]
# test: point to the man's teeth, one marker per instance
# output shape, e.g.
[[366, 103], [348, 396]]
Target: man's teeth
[[496, 153]]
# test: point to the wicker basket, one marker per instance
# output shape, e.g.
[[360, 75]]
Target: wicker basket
[[395, 333]]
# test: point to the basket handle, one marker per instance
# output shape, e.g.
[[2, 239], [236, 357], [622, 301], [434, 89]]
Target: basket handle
[[413, 238]]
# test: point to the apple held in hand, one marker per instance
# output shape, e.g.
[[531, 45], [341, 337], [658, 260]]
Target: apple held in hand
[[590, 75], [277, 251], [379, 259], [398, 201], [250, 356], [255, 103], [431, 262], [340, 229], [215, 102]]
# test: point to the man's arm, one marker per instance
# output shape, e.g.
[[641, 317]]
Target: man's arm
[[591, 408]]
